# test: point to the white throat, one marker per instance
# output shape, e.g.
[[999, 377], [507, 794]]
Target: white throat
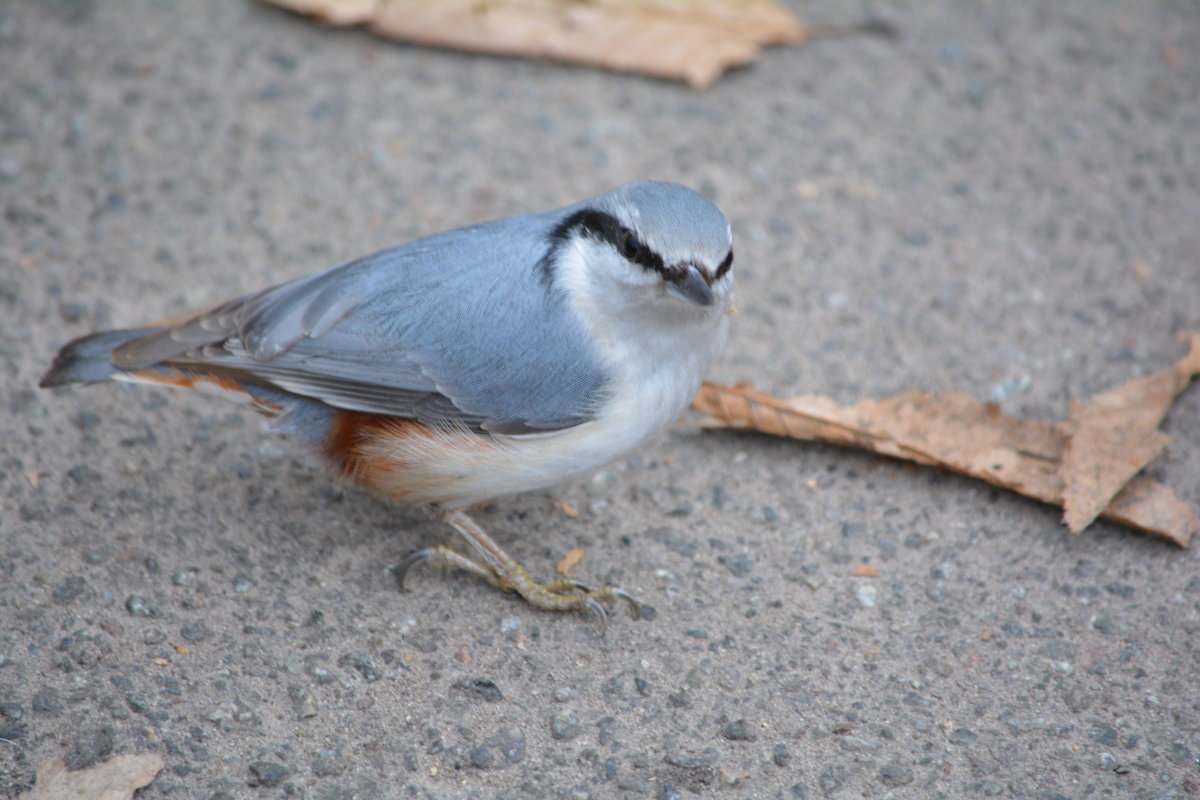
[[655, 346]]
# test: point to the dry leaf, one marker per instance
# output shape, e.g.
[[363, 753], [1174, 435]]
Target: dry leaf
[[865, 571], [1115, 434], [688, 40], [573, 557], [115, 779], [1084, 461], [1152, 507], [335, 12]]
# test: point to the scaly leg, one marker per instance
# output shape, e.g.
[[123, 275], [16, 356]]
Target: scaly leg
[[504, 572]]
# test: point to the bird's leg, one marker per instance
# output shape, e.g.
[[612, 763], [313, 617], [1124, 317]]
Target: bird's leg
[[504, 572]]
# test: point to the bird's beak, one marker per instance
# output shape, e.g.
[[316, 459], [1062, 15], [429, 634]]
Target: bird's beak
[[692, 287]]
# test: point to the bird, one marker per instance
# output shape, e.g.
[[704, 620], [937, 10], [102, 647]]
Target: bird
[[468, 365]]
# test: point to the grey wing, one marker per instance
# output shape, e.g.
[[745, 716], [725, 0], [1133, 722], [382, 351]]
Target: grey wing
[[456, 327]]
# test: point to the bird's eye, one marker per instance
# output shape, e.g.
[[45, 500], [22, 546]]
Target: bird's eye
[[630, 246], [725, 265]]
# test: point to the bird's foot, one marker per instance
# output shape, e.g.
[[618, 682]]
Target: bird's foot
[[504, 572]]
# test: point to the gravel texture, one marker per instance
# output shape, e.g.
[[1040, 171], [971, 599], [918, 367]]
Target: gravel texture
[[1004, 200]]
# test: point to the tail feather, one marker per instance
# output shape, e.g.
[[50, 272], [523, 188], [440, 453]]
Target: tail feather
[[89, 358]]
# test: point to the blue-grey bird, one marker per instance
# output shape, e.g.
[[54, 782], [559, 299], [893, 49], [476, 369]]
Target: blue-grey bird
[[457, 368]]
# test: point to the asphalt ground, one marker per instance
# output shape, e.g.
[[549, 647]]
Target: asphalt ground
[[1005, 200]]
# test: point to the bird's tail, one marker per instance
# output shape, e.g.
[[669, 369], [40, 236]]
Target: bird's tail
[[89, 358]]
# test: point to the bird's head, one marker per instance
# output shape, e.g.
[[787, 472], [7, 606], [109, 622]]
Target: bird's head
[[647, 249]]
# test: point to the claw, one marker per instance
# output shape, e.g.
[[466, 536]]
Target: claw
[[635, 608], [593, 605], [419, 557]]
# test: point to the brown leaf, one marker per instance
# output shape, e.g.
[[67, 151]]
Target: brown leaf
[[963, 434], [688, 40], [335, 12], [1152, 507], [1114, 435], [115, 779], [573, 557]]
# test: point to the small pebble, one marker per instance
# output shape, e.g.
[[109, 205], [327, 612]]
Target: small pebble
[[917, 700], [83, 473], [482, 689], [481, 757], [136, 605], [720, 497], [327, 764], [87, 420], [564, 726], [867, 595], [267, 773], [831, 779], [195, 632], [858, 744], [363, 665], [764, 514], [740, 565], [184, 577], [687, 762], [895, 775], [70, 589], [963, 736], [739, 731], [308, 707]]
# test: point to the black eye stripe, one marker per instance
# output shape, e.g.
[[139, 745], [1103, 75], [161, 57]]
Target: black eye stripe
[[630, 245], [608, 228], [605, 227], [643, 255], [725, 265]]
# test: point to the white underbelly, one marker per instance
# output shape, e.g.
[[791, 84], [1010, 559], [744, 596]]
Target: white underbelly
[[459, 468]]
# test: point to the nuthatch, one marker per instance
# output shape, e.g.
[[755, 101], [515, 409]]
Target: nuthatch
[[454, 369]]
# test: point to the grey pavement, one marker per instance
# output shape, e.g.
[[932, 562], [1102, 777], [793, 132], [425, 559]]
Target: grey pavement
[[1005, 201]]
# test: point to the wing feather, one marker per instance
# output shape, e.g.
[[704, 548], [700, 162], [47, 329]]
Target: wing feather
[[453, 328]]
